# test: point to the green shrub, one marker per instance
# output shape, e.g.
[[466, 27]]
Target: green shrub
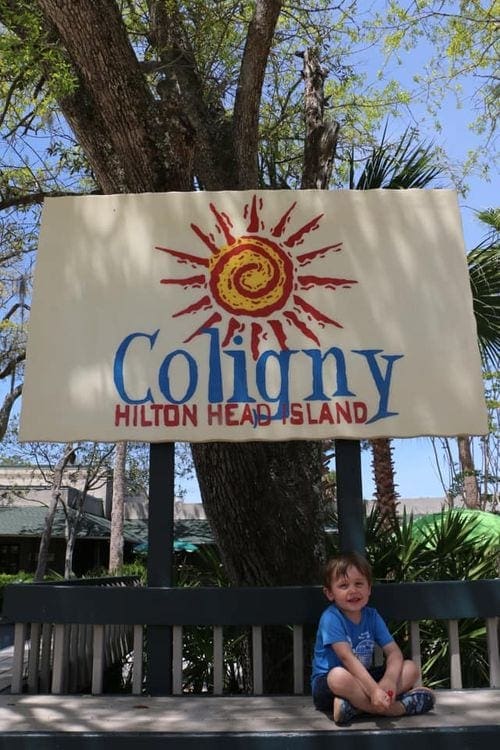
[[446, 550]]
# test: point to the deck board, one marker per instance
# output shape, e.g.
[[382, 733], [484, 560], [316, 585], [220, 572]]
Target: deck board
[[235, 714]]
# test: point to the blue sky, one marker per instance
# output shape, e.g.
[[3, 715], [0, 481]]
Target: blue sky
[[416, 471]]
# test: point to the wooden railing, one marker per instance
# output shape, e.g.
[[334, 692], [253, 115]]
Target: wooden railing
[[53, 657], [77, 629]]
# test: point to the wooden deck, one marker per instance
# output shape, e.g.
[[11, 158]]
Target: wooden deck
[[465, 719]]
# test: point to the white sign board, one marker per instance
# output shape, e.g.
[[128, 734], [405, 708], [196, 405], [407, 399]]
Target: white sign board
[[269, 315]]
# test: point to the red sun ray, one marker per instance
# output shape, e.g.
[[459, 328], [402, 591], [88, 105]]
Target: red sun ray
[[315, 313], [306, 258], [278, 230], [184, 257], [233, 327], [215, 318], [205, 303], [205, 238], [297, 238], [224, 223], [302, 315], [253, 224], [303, 328], [255, 340], [307, 282], [195, 281], [277, 328]]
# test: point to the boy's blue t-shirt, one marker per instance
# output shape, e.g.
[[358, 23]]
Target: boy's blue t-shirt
[[335, 627]]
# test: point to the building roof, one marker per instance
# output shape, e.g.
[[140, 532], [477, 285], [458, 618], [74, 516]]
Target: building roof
[[29, 521], [419, 506]]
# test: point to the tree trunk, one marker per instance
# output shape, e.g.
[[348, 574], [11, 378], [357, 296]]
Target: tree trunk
[[263, 501], [71, 530], [261, 497], [43, 551], [117, 508], [383, 474], [470, 485]]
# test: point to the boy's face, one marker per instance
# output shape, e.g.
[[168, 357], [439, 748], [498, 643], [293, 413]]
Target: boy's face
[[351, 593]]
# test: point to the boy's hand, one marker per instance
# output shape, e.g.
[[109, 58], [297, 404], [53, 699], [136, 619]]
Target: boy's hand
[[380, 699], [389, 687]]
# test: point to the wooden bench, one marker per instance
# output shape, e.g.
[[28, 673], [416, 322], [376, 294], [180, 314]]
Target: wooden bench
[[165, 612]]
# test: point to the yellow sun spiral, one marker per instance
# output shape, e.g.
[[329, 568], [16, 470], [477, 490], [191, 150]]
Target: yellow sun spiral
[[252, 276]]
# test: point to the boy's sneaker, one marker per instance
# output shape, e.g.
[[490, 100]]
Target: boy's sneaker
[[417, 701], [343, 711]]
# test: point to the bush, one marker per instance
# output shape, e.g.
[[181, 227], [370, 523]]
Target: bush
[[446, 550]]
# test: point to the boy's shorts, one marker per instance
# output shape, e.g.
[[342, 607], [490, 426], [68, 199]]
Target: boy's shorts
[[323, 696]]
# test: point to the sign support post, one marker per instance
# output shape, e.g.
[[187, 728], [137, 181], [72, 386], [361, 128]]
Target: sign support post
[[160, 562], [350, 509]]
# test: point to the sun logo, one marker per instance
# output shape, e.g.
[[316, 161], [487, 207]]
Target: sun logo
[[255, 278]]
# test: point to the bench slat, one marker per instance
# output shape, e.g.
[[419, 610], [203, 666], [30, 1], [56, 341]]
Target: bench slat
[[298, 659], [492, 624], [455, 666], [218, 660], [258, 674], [20, 632], [138, 660], [60, 662], [98, 659], [34, 657], [45, 658], [177, 632], [416, 654]]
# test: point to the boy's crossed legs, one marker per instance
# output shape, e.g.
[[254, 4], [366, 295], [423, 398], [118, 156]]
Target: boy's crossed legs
[[343, 684], [350, 700]]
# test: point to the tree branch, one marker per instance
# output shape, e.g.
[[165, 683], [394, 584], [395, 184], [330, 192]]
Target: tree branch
[[8, 97], [115, 87], [55, 495], [14, 308], [16, 201], [321, 135], [9, 369], [6, 408], [182, 92], [249, 91]]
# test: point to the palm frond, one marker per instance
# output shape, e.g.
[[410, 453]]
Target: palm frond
[[491, 218], [405, 164], [484, 273]]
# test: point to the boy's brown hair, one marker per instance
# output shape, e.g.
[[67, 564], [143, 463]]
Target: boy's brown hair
[[337, 567]]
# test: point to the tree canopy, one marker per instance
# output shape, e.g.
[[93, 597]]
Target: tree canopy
[[113, 96]]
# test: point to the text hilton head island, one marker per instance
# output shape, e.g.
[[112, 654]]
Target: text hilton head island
[[237, 415], [259, 392]]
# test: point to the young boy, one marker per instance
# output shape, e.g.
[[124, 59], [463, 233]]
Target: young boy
[[348, 630]]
